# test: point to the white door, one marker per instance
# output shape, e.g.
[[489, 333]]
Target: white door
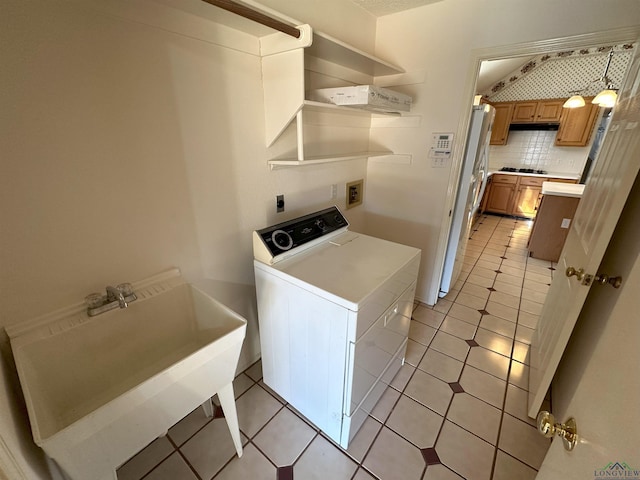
[[604, 197], [597, 382]]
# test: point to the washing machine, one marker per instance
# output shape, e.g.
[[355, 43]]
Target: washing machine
[[334, 309]]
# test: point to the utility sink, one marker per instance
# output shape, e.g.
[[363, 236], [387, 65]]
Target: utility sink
[[99, 389]]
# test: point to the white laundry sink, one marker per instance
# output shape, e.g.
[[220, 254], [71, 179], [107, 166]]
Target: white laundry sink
[[99, 389]]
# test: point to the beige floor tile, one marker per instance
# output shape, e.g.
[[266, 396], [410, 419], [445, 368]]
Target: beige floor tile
[[539, 269], [450, 345], [188, 426], [255, 408], [241, 384], [385, 405], [475, 290], [252, 465], [471, 301], [210, 449], [401, 379], [255, 371], [467, 314], [429, 391], [536, 277], [284, 438], [172, 468], [489, 273], [476, 416], [362, 474], [415, 422], [458, 328], [483, 385], [533, 296], [489, 362], [528, 320], [441, 472], [524, 334], [479, 280], [414, 353], [442, 305], [502, 311], [391, 457], [510, 279], [519, 375], [359, 445], [442, 366], [421, 333], [513, 271], [522, 441], [498, 325], [505, 299], [516, 404], [494, 342], [323, 460], [539, 262], [491, 265], [146, 459], [514, 261], [492, 258], [530, 285], [463, 452], [428, 316], [508, 288], [528, 306], [521, 352], [508, 468]]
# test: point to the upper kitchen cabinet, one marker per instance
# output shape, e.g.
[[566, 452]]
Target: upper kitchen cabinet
[[501, 122], [537, 111], [292, 67], [576, 125]]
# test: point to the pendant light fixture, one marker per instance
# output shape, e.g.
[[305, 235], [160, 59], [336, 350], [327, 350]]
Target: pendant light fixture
[[606, 98]]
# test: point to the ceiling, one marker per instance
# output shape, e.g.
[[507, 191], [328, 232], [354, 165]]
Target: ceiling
[[386, 7]]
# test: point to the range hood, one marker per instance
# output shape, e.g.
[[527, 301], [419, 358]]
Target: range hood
[[534, 126], [368, 97]]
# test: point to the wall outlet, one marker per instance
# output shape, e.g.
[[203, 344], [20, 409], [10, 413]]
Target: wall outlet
[[334, 191], [279, 203], [355, 191]]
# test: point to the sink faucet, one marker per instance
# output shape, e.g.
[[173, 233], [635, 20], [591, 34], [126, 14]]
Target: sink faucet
[[119, 296], [114, 294]]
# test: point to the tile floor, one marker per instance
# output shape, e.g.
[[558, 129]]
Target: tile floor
[[456, 409]]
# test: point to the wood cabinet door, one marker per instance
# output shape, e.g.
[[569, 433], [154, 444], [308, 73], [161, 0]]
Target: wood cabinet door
[[549, 110], [527, 201], [501, 122], [524, 112], [501, 198], [576, 125]]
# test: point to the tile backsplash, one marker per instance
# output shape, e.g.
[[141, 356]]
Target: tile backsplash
[[535, 149]]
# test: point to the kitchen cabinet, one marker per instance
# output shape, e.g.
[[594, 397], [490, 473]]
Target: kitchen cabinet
[[537, 111], [500, 131], [501, 193], [576, 125], [291, 67], [517, 195]]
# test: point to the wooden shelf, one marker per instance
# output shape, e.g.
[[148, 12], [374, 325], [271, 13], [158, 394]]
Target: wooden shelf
[[293, 162]]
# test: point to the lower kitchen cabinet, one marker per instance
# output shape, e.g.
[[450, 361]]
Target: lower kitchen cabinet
[[517, 195]]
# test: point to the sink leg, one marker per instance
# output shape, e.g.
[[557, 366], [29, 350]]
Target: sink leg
[[228, 403], [208, 408]]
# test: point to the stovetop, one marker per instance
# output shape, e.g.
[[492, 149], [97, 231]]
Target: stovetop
[[523, 170]]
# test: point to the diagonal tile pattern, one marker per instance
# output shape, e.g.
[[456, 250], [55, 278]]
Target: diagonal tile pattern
[[455, 410]]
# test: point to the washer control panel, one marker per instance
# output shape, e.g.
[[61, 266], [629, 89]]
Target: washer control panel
[[295, 233]]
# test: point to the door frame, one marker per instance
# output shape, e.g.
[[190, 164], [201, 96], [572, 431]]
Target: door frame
[[477, 56]]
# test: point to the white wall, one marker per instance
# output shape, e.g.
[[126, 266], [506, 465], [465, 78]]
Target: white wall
[[437, 42], [128, 148]]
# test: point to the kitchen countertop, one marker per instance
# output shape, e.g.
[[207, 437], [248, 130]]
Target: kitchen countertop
[[562, 189], [568, 176]]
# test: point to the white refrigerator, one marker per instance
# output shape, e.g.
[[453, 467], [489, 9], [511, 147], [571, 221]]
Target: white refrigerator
[[471, 185]]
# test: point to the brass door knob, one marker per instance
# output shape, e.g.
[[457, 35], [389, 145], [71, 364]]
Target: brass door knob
[[579, 274], [603, 279], [548, 427]]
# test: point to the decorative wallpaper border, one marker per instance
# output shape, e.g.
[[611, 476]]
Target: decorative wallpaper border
[[522, 72]]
